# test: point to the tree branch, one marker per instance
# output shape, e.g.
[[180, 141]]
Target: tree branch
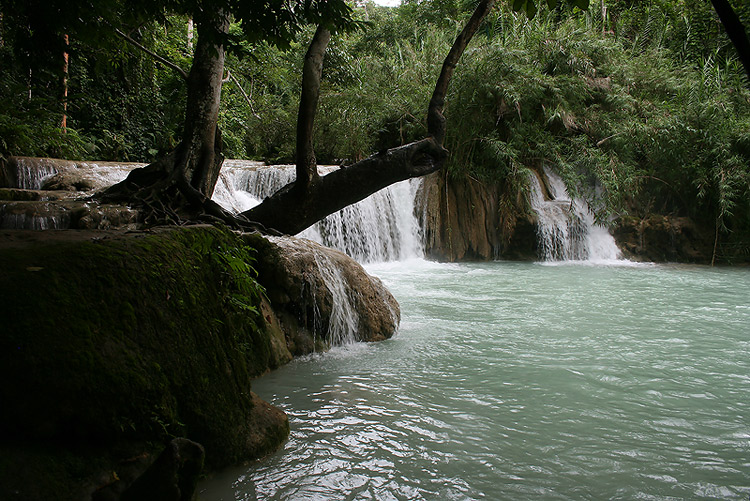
[[292, 210], [306, 163], [156, 56], [310, 198], [435, 118], [735, 30], [244, 94]]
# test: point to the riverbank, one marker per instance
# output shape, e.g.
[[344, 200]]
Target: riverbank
[[115, 342]]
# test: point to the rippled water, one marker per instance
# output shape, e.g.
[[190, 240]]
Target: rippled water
[[524, 381]]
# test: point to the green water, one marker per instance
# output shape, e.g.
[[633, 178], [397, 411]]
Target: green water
[[524, 381]]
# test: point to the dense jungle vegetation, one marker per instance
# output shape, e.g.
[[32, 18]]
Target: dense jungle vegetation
[[646, 99]]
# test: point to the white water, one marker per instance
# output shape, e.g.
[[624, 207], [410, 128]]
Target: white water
[[382, 227], [344, 321], [566, 228], [32, 173]]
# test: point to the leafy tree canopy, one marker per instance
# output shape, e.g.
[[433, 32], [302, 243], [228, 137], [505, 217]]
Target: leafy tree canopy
[[278, 22]]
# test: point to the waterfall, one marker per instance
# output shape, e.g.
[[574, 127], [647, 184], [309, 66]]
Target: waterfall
[[382, 227], [566, 229], [31, 173]]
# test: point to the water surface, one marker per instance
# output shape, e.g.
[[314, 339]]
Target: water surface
[[524, 381]]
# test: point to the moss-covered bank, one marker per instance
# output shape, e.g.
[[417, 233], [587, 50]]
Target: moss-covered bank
[[113, 339]]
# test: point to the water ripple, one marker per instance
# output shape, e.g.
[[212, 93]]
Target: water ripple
[[517, 381]]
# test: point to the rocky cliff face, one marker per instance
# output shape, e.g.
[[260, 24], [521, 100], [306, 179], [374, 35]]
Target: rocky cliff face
[[660, 238], [463, 220]]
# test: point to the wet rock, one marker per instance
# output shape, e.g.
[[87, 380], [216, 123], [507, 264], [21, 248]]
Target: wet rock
[[464, 219], [321, 296], [660, 238], [69, 181], [173, 476], [65, 214], [126, 337]]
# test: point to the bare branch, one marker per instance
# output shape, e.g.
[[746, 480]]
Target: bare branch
[[165, 62], [244, 94]]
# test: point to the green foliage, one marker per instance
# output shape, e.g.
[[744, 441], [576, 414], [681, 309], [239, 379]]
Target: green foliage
[[643, 101], [234, 265]]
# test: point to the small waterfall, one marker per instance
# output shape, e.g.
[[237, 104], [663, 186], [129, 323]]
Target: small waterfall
[[343, 319], [24, 221], [32, 172], [566, 229], [382, 227]]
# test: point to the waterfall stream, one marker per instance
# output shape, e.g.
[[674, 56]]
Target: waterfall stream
[[382, 227], [566, 228]]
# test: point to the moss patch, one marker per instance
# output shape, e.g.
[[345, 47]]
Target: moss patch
[[138, 338]]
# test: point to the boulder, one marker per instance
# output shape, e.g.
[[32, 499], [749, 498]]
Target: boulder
[[321, 296], [113, 337]]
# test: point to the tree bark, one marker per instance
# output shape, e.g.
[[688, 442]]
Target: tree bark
[[306, 163], [66, 61], [188, 175], [435, 118], [201, 142], [735, 30], [301, 204]]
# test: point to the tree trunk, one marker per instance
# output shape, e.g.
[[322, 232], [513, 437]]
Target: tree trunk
[[187, 176], [309, 199], [735, 30], [307, 167], [66, 61], [201, 143]]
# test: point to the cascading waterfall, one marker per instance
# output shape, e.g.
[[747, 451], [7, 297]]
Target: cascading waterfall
[[382, 227], [566, 228], [31, 176], [344, 320], [33, 173]]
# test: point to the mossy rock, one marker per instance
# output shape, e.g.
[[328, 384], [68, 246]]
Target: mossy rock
[[111, 337]]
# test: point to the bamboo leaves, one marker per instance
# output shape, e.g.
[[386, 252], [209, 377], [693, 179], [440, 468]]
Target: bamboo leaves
[[530, 7]]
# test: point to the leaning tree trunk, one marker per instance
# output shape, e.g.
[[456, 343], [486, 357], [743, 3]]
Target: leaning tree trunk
[[735, 30], [186, 177], [310, 198], [306, 163]]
